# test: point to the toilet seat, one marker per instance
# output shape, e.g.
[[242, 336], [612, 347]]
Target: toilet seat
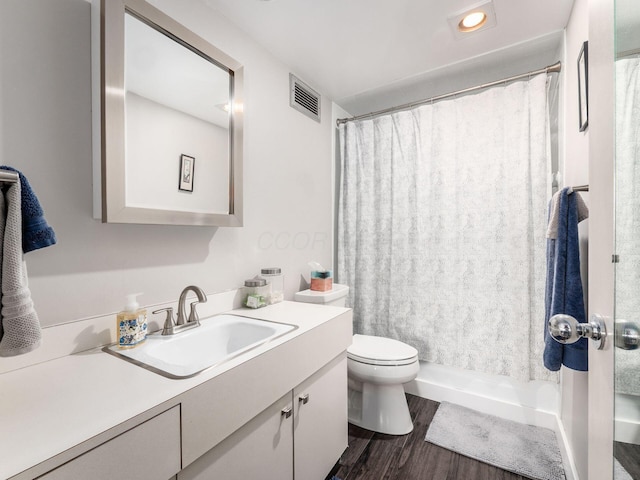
[[372, 350]]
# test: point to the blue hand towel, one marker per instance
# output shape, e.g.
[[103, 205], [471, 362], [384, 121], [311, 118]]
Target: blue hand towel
[[36, 232], [563, 293]]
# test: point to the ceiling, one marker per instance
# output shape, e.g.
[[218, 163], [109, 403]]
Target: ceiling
[[162, 70], [348, 48]]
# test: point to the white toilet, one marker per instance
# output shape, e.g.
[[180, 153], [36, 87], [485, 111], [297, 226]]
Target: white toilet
[[377, 368]]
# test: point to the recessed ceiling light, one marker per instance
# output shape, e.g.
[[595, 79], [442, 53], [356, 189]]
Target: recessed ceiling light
[[480, 16], [472, 21]]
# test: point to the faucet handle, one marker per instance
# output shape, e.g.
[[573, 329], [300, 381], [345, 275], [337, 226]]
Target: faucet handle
[[168, 322], [193, 314]]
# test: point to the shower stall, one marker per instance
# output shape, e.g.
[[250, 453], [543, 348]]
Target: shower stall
[[442, 219]]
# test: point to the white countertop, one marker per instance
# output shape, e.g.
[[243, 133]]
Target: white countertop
[[50, 407]]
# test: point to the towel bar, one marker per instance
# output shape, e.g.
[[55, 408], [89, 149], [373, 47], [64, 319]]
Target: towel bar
[[10, 177]]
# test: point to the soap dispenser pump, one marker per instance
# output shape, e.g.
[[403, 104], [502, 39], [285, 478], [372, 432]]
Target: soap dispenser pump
[[131, 323]]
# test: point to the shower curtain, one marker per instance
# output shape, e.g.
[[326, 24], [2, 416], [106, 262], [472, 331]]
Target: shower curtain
[[441, 227], [627, 214]]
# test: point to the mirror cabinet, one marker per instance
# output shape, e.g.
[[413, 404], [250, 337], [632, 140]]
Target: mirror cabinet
[[170, 122]]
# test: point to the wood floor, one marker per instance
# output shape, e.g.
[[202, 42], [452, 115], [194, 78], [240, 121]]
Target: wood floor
[[629, 457], [374, 456]]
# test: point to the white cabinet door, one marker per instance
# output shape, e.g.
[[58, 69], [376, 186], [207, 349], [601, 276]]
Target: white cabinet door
[[262, 448], [320, 421], [150, 451]]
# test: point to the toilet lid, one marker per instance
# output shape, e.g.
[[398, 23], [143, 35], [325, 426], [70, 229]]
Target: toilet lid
[[381, 351]]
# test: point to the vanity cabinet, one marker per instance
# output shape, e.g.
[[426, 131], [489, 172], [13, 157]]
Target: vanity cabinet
[[150, 451], [222, 424], [300, 436]]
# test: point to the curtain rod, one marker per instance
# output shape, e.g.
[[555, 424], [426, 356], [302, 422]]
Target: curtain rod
[[627, 53], [555, 68]]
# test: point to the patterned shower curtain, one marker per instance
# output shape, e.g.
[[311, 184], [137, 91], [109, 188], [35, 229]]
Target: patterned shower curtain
[[441, 227], [627, 214]]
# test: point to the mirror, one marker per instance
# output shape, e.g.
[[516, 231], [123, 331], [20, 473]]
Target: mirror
[[171, 120], [627, 230]]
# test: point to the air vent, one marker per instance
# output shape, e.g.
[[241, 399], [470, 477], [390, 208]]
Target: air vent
[[304, 98]]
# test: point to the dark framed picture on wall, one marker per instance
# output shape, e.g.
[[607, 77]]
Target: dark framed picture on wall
[[187, 170], [583, 87]]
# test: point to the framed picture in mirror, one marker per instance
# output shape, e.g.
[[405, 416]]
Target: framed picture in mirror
[[187, 165]]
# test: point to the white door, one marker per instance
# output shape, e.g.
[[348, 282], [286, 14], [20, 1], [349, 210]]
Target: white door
[[614, 290]]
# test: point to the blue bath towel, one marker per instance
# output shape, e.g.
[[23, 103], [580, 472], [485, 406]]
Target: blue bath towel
[[563, 292], [36, 232]]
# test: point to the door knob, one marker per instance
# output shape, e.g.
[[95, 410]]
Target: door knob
[[566, 329], [627, 335]]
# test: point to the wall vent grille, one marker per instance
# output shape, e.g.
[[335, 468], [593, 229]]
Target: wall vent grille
[[303, 98]]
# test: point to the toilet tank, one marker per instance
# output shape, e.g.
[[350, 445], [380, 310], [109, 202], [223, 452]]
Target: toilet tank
[[337, 296]]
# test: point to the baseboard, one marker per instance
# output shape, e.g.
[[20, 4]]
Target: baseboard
[[567, 456], [627, 431], [500, 408], [627, 418]]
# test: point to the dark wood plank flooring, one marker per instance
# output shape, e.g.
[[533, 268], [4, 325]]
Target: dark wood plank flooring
[[374, 456], [629, 457]]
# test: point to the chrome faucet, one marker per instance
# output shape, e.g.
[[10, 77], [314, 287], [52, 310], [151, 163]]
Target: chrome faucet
[[171, 327], [193, 315]]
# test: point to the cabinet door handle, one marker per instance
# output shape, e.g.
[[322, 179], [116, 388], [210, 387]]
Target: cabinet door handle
[[286, 412], [304, 398]]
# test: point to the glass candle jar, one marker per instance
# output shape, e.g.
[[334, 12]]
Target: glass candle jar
[[256, 292], [274, 277]]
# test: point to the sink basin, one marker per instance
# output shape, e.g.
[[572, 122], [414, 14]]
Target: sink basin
[[217, 340]]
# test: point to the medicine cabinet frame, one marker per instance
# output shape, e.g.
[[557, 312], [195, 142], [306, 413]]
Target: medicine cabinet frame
[[108, 74]]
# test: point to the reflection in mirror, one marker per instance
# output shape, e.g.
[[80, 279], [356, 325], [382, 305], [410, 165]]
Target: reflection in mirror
[[180, 101], [627, 225], [172, 122]]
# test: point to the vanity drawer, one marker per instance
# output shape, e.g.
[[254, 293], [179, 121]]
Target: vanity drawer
[[149, 451]]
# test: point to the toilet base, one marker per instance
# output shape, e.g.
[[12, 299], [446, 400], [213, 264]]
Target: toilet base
[[380, 408]]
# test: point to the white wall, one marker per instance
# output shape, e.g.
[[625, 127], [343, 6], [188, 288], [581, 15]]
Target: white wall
[[574, 147], [45, 127]]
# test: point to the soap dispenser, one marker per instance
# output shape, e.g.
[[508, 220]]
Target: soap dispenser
[[131, 323]]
